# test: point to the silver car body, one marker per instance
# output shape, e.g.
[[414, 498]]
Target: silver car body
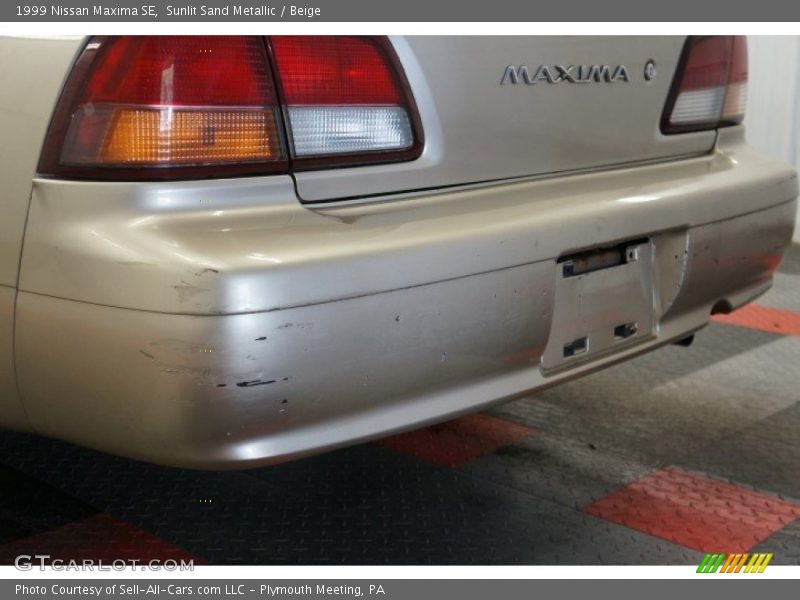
[[240, 322]]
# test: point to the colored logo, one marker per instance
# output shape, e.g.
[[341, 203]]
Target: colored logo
[[734, 563]]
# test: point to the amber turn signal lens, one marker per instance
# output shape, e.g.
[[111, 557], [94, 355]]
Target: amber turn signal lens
[[174, 136]]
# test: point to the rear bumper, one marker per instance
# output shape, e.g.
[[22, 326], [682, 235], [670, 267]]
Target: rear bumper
[[301, 330]]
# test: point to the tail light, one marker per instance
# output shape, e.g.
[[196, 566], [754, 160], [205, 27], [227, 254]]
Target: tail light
[[710, 86], [173, 107], [344, 97], [167, 107]]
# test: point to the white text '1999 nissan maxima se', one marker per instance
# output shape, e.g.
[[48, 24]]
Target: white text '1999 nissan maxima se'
[[233, 251]]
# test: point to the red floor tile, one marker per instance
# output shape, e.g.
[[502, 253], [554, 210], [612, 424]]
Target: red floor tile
[[457, 442], [100, 537], [695, 511], [763, 318]]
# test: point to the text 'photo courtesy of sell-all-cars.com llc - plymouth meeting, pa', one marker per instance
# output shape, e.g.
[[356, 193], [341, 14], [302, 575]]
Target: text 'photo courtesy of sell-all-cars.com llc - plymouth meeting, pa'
[[234, 251]]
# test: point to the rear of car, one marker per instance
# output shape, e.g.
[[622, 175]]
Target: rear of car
[[242, 250]]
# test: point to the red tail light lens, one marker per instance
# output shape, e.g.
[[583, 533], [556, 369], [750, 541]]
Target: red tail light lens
[[164, 107], [345, 101], [710, 86], [736, 97], [153, 107]]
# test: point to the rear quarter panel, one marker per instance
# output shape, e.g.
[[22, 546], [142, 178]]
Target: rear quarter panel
[[31, 72]]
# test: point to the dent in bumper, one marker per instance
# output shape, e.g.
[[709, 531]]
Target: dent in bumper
[[235, 246], [250, 389]]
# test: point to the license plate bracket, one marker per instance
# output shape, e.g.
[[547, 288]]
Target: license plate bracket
[[604, 302]]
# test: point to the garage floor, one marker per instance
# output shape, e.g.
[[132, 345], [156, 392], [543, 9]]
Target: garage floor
[[657, 461]]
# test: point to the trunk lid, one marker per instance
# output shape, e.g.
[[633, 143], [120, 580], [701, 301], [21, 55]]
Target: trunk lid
[[496, 108]]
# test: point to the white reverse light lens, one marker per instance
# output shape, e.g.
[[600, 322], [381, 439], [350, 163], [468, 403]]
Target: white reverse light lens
[[735, 102], [711, 85], [698, 106], [325, 130]]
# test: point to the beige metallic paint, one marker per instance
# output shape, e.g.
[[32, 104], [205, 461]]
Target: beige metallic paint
[[223, 323], [477, 130], [358, 331], [146, 384], [235, 246], [12, 413], [31, 72]]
